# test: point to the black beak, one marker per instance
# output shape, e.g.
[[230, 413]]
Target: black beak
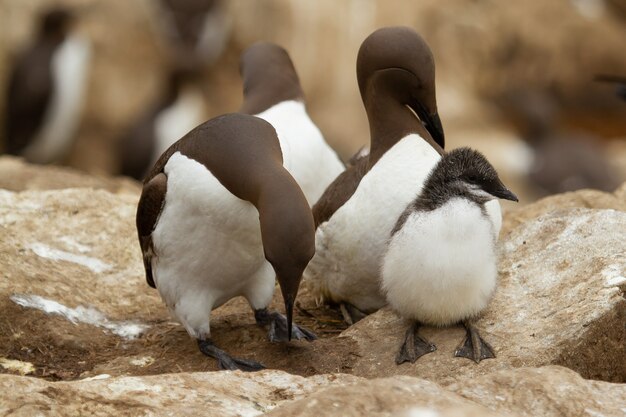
[[505, 194], [431, 122], [289, 310]]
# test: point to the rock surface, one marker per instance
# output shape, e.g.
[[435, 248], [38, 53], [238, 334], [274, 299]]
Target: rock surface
[[401, 395], [185, 394], [560, 300], [17, 175], [593, 199], [74, 304], [548, 392]]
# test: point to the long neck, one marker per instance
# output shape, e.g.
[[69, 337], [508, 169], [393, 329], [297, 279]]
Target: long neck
[[389, 122], [386, 96], [287, 228]]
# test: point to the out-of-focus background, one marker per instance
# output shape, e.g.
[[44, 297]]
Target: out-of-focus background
[[516, 80]]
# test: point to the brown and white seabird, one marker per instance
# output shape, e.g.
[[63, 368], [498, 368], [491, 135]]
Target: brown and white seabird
[[220, 217]]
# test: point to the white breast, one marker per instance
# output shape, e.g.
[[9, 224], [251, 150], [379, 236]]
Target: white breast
[[307, 157], [208, 246], [175, 121], [69, 76], [349, 247], [440, 268]]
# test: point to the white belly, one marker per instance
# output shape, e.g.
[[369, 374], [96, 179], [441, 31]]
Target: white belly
[[307, 157], [440, 268], [208, 247], [69, 75], [349, 247]]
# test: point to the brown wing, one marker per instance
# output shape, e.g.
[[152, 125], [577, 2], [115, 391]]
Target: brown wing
[[340, 190], [148, 211]]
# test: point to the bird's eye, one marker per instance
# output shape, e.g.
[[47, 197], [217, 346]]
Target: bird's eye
[[472, 178]]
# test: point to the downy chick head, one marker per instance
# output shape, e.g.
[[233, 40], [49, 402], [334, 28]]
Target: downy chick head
[[466, 172]]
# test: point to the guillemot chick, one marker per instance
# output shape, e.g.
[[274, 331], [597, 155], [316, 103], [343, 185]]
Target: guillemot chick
[[220, 217], [440, 265], [356, 213], [46, 89], [272, 91]]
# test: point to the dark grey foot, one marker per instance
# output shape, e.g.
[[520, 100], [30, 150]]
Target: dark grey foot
[[278, 327], [225, 361], [414, 346], [351, 314], [474, 347]]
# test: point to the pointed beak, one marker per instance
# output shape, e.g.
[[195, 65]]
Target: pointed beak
[[289, 310], [431, 122], [434, 127], [505, 194]]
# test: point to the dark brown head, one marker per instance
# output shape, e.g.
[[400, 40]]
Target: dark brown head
[[396, 69], [269, 77], [56, 23]]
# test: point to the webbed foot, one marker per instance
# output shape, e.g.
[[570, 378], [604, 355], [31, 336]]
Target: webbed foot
[[278, 327], [414, 346], [225, 361], [474, 347]]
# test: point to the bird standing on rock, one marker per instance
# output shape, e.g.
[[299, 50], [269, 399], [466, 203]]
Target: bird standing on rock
[[272, 91], [220, 217], [355, 215], [440, 265]]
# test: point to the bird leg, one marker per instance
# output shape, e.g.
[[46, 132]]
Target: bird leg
[[225, 361], [278, 326], [351, 314], [474, 347], [414, 346]]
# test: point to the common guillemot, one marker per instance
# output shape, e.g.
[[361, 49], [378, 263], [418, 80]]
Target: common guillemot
[[272, 91], [46, 89], [220, 217], [395, 72], [176, 112], [396, 76], [440, 265]]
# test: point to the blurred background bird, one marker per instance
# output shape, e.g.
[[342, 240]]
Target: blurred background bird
[[45, 90], [485, 53]]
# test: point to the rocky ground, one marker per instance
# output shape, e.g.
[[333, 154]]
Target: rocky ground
[[82, 333]]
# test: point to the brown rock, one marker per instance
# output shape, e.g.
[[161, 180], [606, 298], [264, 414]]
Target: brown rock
[[548, 392], [584, 198], [559, 301], [184, 394], [398, 396], [17, 175]]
